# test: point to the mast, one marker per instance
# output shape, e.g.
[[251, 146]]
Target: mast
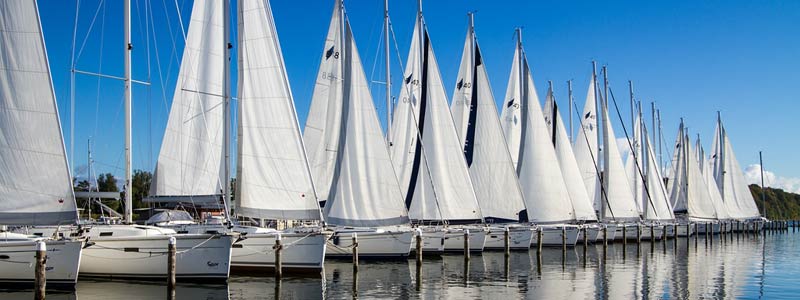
[[523, 102], [472, 43], [660, 141], [388, 73], [633, 107], [653, 119], [422, 34], [721, 155], [763, 193], [128, 114], [569, 88], [553, 113], [226, 112]]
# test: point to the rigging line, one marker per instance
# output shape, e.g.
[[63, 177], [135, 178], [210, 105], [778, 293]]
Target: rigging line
[[601, 179], [146, 34], [99, 69], [72, 87], [158, 61], [89, 30], [375, 60], [180, 20], [603, 193], [633, 151]]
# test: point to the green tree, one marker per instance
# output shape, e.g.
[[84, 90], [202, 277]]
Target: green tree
[[107, 183], [141, 186]]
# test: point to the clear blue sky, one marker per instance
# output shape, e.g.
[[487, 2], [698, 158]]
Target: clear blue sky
[[691, 57]]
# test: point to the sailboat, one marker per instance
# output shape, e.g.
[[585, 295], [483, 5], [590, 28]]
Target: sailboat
[[587, 155], [348, 156], [136, 251], [547, 199], [723, 213], [481, 135], [273, 177], [427, 154], [689, 193], [36, 185], [582, 206], [644, 173], [619, 205], [730, 178]]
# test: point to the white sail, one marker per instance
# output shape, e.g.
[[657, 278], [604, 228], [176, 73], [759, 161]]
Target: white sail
[[190, 161], [620, 203], [478, 127], [586, 148], [546, 197], [633, 165], [657, 204], [273, 178], [713, 191], [689, 193], [35, 181], [581, 204], [352, 165], [730, 178], [426, 152]]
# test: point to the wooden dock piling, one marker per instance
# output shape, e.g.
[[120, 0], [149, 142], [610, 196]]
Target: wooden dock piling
[[278, 247], [40, 279]]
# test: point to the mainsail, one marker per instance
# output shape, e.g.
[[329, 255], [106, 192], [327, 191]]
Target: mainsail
[[619, 200], [581, 203], [426, 152], [688, 190], [546, 197], [730, 178], [35, 181], [189, 166], [273, 177], [586, 148], [479, 131], [633, 165], [657, 206], [348, 154]]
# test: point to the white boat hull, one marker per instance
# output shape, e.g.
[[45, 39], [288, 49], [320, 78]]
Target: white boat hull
[[301, 252], [629, 234], [454, 240], [371, 244], [519, 238], [432, 242], [685, 230], [552, 236], [610, 234], [200, 257], [18, 263]]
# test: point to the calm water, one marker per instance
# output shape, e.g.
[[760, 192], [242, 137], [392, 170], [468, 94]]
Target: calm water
[[749, 268]]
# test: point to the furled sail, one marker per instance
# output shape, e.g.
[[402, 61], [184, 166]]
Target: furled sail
[[585, 146], [273, 177], [581, 204], [479, 131], [348, 155], [189, 166], [546, 196], [35, 181], [730, 178], [426, 152]]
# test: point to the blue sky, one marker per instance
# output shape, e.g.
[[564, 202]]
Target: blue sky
[[691, 57]]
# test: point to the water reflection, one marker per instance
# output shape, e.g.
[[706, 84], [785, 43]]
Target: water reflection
[[740, 267]]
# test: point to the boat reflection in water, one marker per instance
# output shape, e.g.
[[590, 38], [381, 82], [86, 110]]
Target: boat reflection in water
[[747, 267]]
